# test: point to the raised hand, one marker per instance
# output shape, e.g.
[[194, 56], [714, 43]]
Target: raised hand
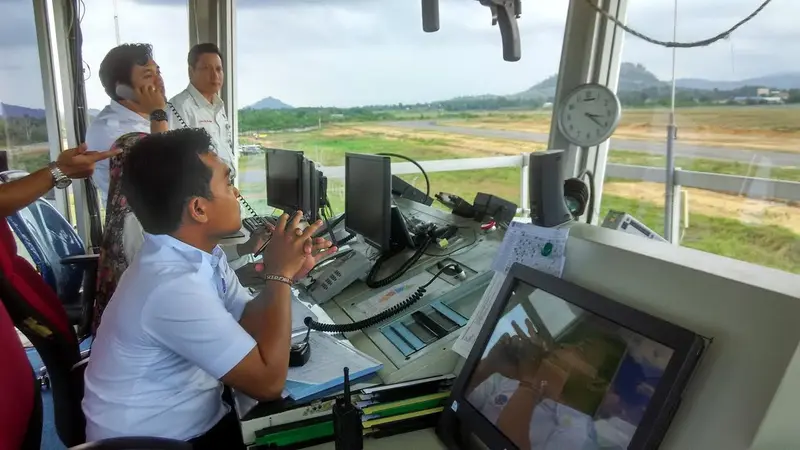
[[529, 349], [79, 162], [289, 247]]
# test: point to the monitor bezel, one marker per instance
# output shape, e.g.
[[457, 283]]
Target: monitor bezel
[[385, 210], [461, 421], [297, 154]]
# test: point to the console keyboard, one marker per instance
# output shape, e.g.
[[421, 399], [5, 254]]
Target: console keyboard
[[252, 224]]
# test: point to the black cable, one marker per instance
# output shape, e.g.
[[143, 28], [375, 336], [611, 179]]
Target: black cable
[[373, 272], [253, 212], [381, 316], [702, 43], [424, 174], [588, 173]]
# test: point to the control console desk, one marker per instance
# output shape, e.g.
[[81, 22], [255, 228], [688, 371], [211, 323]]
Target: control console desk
[[416, 342], [413, 344]]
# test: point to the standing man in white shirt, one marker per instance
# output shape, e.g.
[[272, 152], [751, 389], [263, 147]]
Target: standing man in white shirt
[[200, 106], [133, 82]]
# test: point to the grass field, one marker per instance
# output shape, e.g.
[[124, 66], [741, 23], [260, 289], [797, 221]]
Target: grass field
[[755, 127], [757, 231]]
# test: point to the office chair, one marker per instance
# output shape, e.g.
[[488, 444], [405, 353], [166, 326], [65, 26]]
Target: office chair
[[59, 255]]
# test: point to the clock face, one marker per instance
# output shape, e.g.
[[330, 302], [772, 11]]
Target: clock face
[[589, 115]]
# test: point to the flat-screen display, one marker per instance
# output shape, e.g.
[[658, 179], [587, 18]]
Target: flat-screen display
[[368, 197], [568, 369], [284, 179]]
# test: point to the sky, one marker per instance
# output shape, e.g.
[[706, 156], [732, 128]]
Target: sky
[[356, 52]]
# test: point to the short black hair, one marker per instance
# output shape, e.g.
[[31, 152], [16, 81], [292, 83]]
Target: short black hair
[[200, 49], [162, 172], [118, 63]]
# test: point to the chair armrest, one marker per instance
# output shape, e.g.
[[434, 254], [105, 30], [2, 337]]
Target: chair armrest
[[134, 443], [81, 259]]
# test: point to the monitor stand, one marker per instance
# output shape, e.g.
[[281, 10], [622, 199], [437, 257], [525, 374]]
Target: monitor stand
[[400, 238]]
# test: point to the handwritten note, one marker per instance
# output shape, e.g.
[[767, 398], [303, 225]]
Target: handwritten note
[[541, 248]]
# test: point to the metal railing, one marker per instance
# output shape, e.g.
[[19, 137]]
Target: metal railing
[[753, 187]]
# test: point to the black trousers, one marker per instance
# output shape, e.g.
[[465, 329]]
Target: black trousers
[[226, 434]]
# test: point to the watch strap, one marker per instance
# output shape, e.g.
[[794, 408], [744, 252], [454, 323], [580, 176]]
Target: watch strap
[[59, 179], [158, 115]]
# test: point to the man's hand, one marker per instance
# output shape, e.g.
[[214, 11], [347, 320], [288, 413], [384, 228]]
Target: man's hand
[[529, 349], [320, 248], [79, 163], [289, 247], [149, 98]]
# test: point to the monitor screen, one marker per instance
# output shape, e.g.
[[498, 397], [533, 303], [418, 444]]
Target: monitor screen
[[368, 197], [284, 179], [552, 372]]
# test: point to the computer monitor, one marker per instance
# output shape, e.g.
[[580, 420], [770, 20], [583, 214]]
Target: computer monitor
[[285, 179], [558, 366], [368, 198]]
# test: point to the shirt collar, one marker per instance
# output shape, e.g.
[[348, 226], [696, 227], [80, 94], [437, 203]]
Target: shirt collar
[[125, 113], [192, 254], [201, 100]]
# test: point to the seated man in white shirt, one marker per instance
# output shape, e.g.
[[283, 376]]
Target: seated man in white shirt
[[180, 324], [518, 385], [129, 70], [199, 105]]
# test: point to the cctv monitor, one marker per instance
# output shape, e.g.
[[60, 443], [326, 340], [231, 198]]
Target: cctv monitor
[[285, 170], [558, 366], [368, 198]]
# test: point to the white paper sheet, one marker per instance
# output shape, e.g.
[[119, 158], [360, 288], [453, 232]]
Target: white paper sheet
[[541, 248], [328, 358]]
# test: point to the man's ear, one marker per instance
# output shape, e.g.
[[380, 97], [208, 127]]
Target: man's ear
[[197, 210]]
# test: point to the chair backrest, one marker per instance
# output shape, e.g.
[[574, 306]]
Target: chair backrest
[[20, 399], [37, 312], [49, 237]]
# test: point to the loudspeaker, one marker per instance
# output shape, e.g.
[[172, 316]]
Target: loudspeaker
[[546, 189]]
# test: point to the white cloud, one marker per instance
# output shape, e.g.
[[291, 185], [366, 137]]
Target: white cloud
[[352, 52]]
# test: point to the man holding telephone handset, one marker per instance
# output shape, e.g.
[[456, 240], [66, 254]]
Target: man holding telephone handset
[[133, 82]]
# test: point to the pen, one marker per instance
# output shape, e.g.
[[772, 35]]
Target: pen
[[263, 246]]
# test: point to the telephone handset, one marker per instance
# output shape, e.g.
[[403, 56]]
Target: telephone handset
[[126, 92]]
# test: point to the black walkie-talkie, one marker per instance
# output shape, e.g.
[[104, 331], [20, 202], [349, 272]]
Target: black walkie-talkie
[[347, 420]]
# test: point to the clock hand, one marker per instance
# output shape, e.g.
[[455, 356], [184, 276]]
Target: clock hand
[[594, 119]]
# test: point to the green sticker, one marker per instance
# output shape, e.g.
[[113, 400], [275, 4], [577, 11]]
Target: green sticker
[[547, 249]]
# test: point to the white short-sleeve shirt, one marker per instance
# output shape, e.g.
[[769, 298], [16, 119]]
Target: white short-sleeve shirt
[[191, 108], [169, 333], [111, 123], [553, 426]]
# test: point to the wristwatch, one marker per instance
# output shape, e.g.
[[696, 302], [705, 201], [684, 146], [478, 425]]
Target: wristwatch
[[59, 179], [158, 115]]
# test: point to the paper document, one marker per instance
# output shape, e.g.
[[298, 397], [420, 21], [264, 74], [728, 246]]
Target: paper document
[[324, 369], [543, 249], [540, 248]]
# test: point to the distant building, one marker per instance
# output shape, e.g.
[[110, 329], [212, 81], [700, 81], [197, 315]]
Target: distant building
[[763, 92], [757, 100]]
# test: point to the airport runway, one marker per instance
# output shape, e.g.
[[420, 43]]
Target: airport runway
[[764, 158]]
